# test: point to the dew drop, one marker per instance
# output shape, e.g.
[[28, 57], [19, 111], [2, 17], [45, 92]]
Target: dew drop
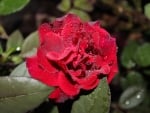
[[18, 48], [138, 96], [127, 102]]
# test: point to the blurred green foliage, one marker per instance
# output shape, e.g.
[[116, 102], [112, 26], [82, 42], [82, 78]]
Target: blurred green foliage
[[127, 20], [8, 7]]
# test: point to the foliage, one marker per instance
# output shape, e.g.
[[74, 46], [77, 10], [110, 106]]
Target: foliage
[[100, 98], [127, 20], [7, 7], [79, 7]]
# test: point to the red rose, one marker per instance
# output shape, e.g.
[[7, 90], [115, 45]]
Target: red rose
[[73, 55]]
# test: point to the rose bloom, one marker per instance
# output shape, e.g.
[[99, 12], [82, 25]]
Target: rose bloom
[[73, 56]]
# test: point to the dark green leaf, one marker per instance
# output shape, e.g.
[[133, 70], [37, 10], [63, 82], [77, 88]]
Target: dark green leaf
[[20, 94], [30, 44], [16, 59], [132, 78], [7, 6], [128, 53], [97, 101], [64, 5], [20, 71], [140, 109], [83, 15], [83, 4], [132, 97], [141, 56], [147, 71], [15, 41], [1, 49]]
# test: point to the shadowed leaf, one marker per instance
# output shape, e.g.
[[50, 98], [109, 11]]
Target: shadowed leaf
[[97, 101], [21, 94], [7, 6]]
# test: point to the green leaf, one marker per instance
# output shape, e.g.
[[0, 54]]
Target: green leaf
[[20, 71], [132, 78], [1, 49], [7, 6], [140, 109], [132, 97], [128, 53], [83, 15], [97, 101], [16, 59], [30, 44], [14, 41], [147, 10], [141, 56], [64, 5], [21, 94], [83, 4]]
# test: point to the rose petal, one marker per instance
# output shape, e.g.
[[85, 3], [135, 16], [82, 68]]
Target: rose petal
[[70, 30], [71, 18], [70, 57], [41, 74], [52, 42], [105, 69], [94, 23], [32, 66], [89, 82], [58, 25], [43, 61], [55, 56], [59, 96], [43, 30], [66, 86], [113, 72], [75, 74]]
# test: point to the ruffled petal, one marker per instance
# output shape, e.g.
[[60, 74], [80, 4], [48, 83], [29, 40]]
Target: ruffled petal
[[39, 73], [89, 82], [55, 56], [43, 61], [52, 42], [105, 69], [113, 72], [67, 86], [43, 30], [59, 96], [71, 29]]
